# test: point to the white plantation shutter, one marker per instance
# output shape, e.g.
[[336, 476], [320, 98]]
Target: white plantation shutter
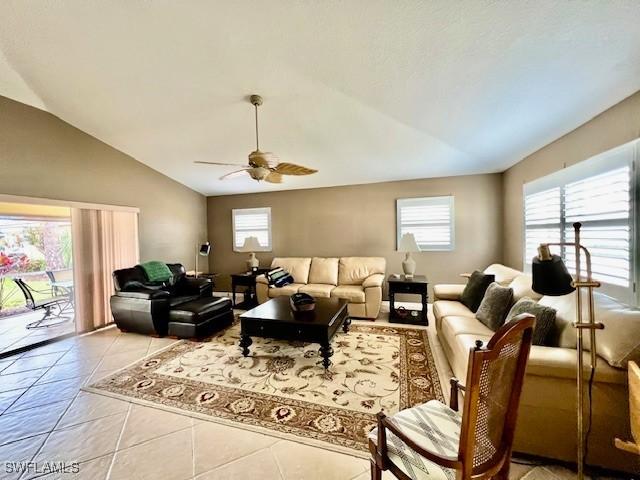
[[542, 220], [252, 222], [599, 193], [430, 219]]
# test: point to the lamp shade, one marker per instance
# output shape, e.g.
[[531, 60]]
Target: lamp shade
[[251, 244], [551, 277], [205, 249], [408, 243]]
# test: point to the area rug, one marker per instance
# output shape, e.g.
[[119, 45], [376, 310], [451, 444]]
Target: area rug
[[282, 389]]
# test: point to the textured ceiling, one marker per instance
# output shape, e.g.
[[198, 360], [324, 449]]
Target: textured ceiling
[[362, 90]]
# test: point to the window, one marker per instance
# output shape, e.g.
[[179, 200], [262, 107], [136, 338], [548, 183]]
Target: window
[[252, 222], [600, 194], [430, 219]]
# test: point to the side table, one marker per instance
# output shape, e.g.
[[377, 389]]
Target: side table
[[247, 280], [416, 286]]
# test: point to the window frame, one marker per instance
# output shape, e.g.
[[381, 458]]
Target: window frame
[[248, 211], [449, 200], [627, 154]]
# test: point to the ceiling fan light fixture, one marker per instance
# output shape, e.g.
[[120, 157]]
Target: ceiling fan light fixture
[[259, 173]]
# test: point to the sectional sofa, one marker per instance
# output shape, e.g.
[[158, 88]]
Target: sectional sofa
[[356, 279], [547, 416]]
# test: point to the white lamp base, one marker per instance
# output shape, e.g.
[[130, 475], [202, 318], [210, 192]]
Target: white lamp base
[[252, 262], [408, 266]]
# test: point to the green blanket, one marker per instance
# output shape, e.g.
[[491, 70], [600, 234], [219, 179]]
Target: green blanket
[[156, 271]]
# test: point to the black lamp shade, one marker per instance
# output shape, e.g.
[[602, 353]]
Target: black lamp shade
[[551, 277], [205, 248]]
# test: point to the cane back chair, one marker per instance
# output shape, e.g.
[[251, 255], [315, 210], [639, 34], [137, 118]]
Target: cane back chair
[[435, 442]]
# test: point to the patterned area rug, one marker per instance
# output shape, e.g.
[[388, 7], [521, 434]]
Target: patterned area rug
[[282, 389]]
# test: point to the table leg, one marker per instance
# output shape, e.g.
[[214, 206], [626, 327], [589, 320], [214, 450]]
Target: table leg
[[245, 343], [233, 292], [346, 324], [425, 309], [392, 305], [326, 351]]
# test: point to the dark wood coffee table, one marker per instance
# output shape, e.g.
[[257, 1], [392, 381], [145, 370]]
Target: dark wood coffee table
[[274, 319]]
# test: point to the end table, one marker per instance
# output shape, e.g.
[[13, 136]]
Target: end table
[[248, 280], [417, 285]]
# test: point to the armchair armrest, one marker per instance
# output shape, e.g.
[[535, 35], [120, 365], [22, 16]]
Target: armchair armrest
[[143, 293], [262, 279], [374, 280]]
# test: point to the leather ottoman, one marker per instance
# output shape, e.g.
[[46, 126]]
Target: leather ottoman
[[200, 318]]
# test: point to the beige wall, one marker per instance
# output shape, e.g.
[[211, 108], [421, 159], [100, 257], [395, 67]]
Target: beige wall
[[616, 126], [42, 156], [361, 220]]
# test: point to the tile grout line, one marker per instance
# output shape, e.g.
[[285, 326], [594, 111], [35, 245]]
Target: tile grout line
[[124, 424], [275, 458], [193, 449]]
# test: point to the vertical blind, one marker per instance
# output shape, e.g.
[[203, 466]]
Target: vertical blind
[[430, 219], [598, 193], [252, 222]]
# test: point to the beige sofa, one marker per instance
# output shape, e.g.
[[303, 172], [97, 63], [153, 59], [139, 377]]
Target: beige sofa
[[547, 417], [356, 279]]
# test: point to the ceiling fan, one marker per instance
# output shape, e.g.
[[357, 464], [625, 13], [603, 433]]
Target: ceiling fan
[[263, 165]]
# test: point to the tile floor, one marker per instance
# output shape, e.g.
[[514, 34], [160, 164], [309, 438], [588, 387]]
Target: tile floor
[[14, 334], [44, 417]]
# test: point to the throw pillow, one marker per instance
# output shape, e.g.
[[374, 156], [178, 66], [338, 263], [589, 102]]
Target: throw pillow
[[278, 277], [157, 271], [545, 318], [494, 306], [473, 292]]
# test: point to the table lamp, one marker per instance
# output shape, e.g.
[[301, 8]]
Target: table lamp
[[408, 245], [550, 277], [251, 244], [201, 250]]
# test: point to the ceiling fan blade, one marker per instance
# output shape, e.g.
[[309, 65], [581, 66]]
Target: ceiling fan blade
[[273, 177], [293, 169], [235, 173], [220, 163]]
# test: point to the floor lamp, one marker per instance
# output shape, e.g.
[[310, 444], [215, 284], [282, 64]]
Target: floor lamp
[[201, 250], [550, 277]]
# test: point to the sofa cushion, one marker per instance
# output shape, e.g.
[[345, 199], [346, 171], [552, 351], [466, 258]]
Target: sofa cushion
[[503, 275], [286, 291], [473, 292], [448, 291], [494, 306], [452, 326], [521, 286], [324, 270], [545, 318], [445, 308], [460, 346], [562, 363], [317, 290], [353, 270], [297, 267], [353, 293]]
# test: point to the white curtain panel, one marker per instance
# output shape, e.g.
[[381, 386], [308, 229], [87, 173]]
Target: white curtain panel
[[103, 241]]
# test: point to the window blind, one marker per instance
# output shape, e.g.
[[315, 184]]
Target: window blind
[[600, 194], [430, 219], [252, 222]]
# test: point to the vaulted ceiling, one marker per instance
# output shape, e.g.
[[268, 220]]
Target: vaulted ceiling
[[362, 90]]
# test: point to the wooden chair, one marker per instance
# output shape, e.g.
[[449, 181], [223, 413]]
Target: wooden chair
[[434, 442]]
